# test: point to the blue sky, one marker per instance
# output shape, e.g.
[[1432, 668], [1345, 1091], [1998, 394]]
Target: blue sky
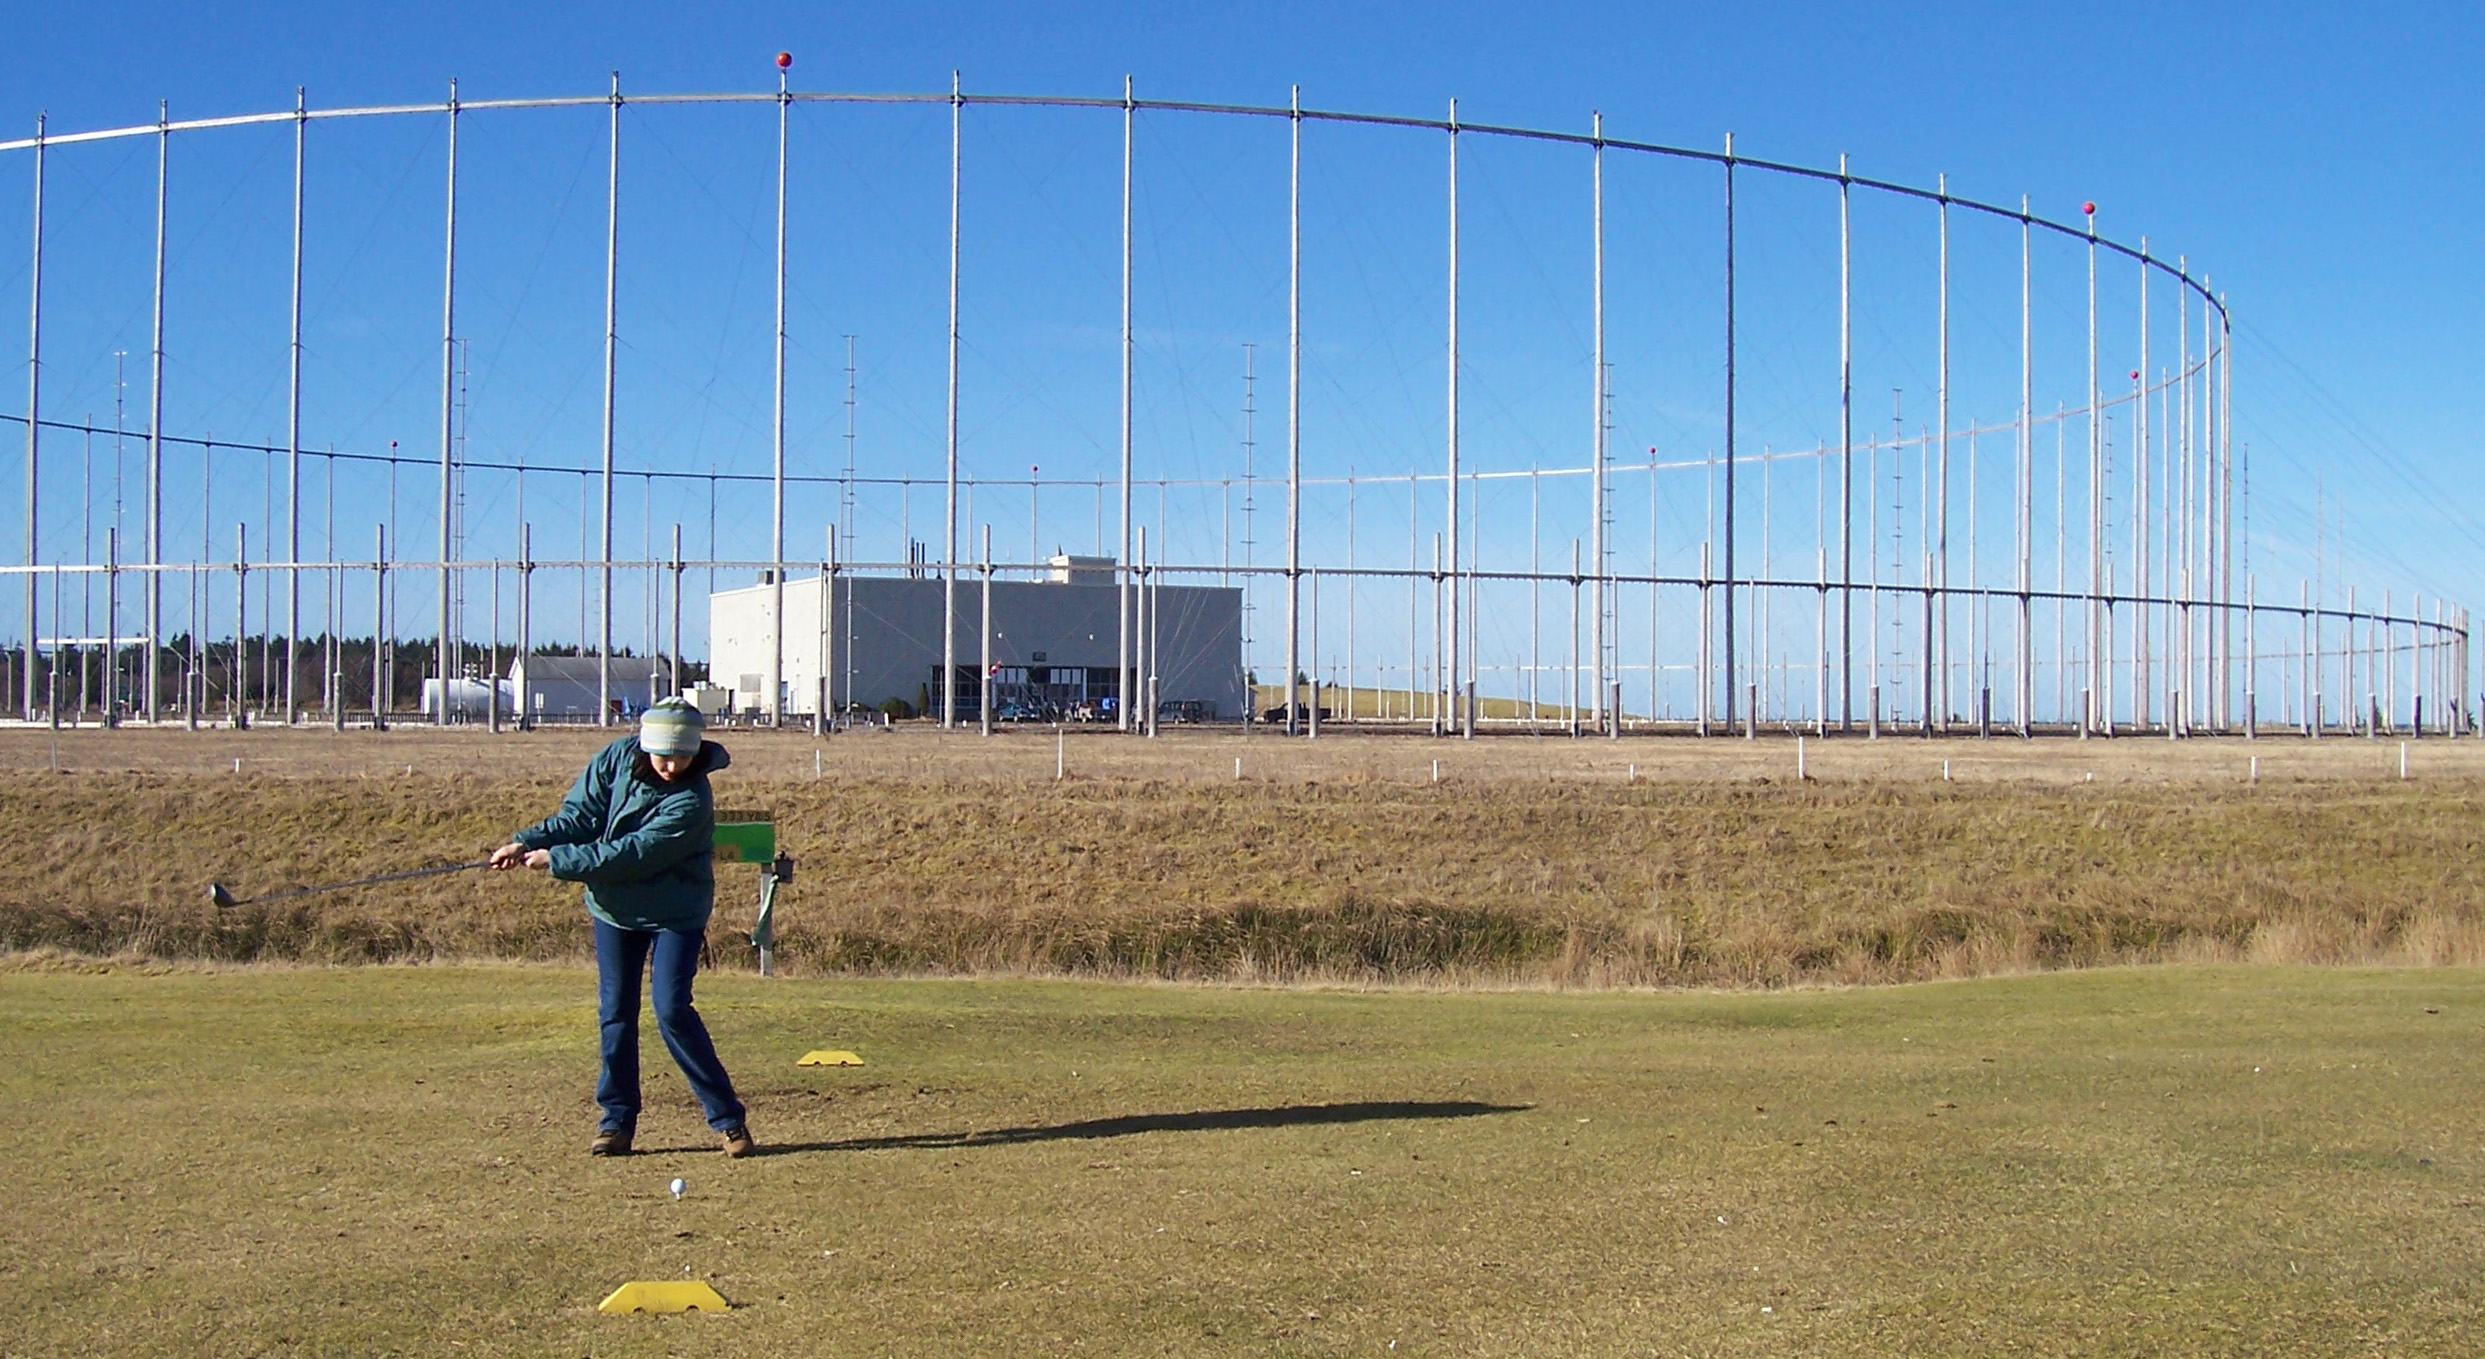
[[2316, 161]]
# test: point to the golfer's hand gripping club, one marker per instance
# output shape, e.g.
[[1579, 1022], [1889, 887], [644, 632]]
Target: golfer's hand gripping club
[[515, 855]]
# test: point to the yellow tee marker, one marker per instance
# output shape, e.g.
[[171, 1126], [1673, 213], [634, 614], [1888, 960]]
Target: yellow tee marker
[[827, 1057], [664, 1295]]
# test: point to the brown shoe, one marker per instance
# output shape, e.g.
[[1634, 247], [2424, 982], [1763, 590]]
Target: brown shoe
[[738, 1141], [610, 1142]]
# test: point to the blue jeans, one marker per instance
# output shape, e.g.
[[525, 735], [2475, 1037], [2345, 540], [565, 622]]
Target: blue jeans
[[620, 957]]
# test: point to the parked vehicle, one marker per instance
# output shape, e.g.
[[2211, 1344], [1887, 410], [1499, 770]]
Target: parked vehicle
[[1302, 713]]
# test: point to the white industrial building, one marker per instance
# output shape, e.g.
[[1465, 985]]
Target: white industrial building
[[1054, 645]]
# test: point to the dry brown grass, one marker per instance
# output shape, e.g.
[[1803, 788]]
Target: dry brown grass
[[1533, 863]]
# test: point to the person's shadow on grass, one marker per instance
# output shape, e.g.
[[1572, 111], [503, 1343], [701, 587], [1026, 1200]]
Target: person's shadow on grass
[[1129, 1125]]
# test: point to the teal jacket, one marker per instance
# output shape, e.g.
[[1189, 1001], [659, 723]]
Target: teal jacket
[[645, 849]]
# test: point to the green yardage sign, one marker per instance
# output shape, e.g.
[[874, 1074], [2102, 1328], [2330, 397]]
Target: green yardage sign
[[746, 837]]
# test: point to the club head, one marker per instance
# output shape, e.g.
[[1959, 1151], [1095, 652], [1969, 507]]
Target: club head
[[216, 893]]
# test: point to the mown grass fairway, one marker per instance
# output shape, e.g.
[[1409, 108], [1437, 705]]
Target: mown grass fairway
[[391, 1160]]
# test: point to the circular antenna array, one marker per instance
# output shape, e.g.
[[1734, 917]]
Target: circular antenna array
[[2007, 544]]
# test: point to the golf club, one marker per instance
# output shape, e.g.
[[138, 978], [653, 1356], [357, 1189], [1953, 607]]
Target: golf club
[[223, 897]]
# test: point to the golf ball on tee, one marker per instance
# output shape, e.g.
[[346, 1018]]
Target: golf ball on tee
[[677, 1188]]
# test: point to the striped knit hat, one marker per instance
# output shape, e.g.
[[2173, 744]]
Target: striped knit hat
[[671, 727]]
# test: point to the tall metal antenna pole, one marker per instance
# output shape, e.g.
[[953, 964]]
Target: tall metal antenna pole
[[983, 690], [845, 525], [2225, 396], [86, 556], [2027, 478], [1941, 398], [1846, 456], [2213, 508], [34, 413], [2205, 505], [1597, 496], [2201, 472], [332, 596], [949, 558], [1294, 413], [2220, 396], [1122, 606], [825, 720], [1929, 685], [2185, 699], [155, 420], [2225, 565], [1728, 654], [2096, 502], [1451, 669], [2139, 514], [293, 427], [520, 669], [448, 416], [612, 332], [380, 655], [2221, 530], [776, 506], [237, 675], [2213, 463], [194, 659]]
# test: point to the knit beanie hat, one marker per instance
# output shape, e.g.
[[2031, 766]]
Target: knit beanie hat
[[671, 727]]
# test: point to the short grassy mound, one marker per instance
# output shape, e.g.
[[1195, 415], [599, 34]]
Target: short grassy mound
[[2164, 1161], [1552, 881]]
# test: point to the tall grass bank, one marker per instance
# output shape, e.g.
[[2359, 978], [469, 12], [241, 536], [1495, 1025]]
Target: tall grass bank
[[1502, 882]]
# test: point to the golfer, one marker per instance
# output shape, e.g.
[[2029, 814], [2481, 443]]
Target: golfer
[[638, 828]]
